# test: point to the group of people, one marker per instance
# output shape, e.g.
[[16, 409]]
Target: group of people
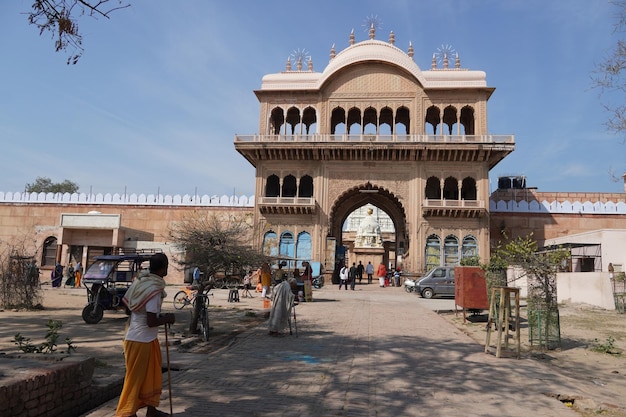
[[72, 275], [350, 275]]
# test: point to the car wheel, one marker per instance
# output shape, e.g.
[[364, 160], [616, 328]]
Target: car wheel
[[428, 293]]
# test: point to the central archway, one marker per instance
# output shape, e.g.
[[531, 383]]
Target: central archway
[[360, 195]]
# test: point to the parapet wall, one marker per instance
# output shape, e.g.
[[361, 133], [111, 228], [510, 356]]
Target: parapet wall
[[48, 388], [130, 199]]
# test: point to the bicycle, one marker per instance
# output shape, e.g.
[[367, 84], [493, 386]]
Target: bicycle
[[203, 314], [184, 298]]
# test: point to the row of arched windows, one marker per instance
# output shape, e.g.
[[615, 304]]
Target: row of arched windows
[[290, 186], [385, 121], [450, 190], [449, 252], [289, 247]]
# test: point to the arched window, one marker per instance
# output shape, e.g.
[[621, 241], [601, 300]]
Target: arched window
[[433, 118], [272, 186], [49, 252], [451, 189], [277, 120], [293, 121], [385, 121], [338, 121], [370, 121], [270, 244], [468, 189], [449, 119], [303, 248], [467, 120], [309, 119], [289, 186], [451, 251], [433, 252], [287, 247], [433, 189], [403, 121], [470, 247], [306, 186], [354, 121]]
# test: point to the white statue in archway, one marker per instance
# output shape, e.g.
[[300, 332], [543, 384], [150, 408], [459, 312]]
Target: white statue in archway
[[368, 235]]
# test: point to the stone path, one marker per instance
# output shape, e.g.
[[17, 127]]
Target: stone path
[[369, 352]]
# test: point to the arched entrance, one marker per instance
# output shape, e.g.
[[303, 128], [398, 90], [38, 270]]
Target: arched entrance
[[380, 197]]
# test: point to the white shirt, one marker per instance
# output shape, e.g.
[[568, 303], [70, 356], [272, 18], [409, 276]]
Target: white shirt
[[138, 330]]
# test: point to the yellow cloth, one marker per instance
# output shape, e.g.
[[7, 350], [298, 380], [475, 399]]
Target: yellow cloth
[[144, 380], [145, 286], [266, 279]]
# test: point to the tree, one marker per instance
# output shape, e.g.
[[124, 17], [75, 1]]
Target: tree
[[539, 268], [610, 77], [216, 245], [45, 185], [60, 18]]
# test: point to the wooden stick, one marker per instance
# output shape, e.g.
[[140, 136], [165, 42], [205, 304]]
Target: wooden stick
[[169, 373]]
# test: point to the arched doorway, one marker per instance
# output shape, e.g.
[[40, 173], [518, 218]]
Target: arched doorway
[[358, 196]]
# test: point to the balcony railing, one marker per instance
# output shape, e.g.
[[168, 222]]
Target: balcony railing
[[444, 203], [370, 138], [287, 201]]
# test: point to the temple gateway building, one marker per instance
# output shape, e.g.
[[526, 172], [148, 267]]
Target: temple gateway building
[[373, 129]]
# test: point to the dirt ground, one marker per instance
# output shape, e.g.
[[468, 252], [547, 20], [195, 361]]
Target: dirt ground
[[583, 327], [593, 345]]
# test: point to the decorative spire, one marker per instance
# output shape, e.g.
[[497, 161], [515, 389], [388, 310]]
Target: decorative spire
[[411, 51], [392, 38], [352, 37], [310, 66], [288, 66], [445, 61], [457, 61], [332, 52], [433, 64], [372, 31], [299, 64]]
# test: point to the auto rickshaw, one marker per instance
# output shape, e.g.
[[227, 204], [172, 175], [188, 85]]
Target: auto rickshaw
[[107, 279]]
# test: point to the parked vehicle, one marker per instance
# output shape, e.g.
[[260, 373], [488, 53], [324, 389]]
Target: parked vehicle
[[107, 279], [439, 281], [410, 284], [318, 282]]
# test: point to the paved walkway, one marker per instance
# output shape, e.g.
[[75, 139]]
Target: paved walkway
[[369, 352]]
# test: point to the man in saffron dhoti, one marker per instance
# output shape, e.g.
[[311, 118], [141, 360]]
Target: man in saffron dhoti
[[142, 352], [282, 303]]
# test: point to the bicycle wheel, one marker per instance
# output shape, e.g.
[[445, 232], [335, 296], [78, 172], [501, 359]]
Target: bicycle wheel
[[181, 300], [204, 325], [218, 283]]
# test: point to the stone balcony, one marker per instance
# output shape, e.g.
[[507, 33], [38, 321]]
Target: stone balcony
[[453, 208], [489, 149], [287, 205]]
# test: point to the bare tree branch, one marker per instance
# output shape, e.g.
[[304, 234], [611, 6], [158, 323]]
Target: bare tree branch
[[59, 17]]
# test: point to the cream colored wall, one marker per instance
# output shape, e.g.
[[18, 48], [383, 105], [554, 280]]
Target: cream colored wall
[[593, 288], [33, 223]]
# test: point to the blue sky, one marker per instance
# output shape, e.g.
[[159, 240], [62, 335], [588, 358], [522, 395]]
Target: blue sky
[[163, 87]]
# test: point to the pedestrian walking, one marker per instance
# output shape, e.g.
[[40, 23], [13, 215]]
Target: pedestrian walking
[[352, 276], [142, 352], [359, 271], [343, 277], [382, 273], [369, 270]]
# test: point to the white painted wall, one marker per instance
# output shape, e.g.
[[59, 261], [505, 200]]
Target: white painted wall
[[593, 288]]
